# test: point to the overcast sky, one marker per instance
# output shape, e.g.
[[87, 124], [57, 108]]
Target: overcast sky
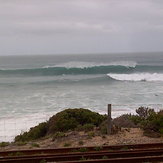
[[80, 26]]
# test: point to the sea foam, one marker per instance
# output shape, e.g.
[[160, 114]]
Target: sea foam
[[137, 77]]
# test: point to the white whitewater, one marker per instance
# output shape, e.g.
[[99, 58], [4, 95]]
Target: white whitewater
[[137, 77]]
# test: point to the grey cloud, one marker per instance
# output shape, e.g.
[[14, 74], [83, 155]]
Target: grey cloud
[[116, 25]]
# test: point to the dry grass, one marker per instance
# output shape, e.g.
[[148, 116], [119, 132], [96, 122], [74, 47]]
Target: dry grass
[[125, 136]]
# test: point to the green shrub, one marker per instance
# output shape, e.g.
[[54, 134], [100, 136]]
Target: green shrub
[[91, 134], [21, 143], [83, 150], [58, 135], [72, 118], [88, 127], [4, 144], [161, 131], [149, 120], [34, 133], [144, 112], [69, 119], [67, 145], [136, 119], [153, 124], [35, 145], [98, 148]]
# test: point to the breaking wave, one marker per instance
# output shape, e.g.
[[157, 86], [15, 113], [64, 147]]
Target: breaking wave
[[84, 68], [83, 65], [71, 68], [137, 77]]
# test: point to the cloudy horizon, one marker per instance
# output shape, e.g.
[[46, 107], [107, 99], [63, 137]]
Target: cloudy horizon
[[80, 26]]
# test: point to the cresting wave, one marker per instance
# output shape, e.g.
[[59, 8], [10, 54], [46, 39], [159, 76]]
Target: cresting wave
[[82, 68], [93, 64], [137, 77]]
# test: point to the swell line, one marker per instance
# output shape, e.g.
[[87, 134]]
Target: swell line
[[50, 71], [99, 69]]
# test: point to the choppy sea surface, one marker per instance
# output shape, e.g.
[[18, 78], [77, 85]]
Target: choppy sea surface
[[33, 88]]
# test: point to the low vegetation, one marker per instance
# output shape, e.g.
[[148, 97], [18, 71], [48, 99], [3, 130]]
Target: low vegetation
[[70, 119], [35, 145], [98, 148], [150, 121], [67, 120], [91, 134], [153, 124], [83, 149], [67, 145], [34, 133], [85, 120], [16, 154], [58, 135], [4, 144], [87, 127]]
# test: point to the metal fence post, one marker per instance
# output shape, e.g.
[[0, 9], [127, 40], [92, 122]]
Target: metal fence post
[[109, 120]]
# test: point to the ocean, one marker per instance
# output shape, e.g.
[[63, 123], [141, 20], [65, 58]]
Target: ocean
[[33, 88]]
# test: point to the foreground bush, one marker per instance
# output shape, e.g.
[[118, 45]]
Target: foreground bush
[[4, 144], [153, 125], [34, 133], [72, 118], [144, 112], [149, 120], [69, 119]]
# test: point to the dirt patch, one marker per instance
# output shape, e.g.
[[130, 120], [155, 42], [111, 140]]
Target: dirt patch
[[75, 139]]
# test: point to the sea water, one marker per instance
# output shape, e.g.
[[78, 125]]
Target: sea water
[[33, 88]]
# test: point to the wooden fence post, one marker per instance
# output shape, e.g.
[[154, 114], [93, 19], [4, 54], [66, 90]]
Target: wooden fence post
[[109, 120]]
